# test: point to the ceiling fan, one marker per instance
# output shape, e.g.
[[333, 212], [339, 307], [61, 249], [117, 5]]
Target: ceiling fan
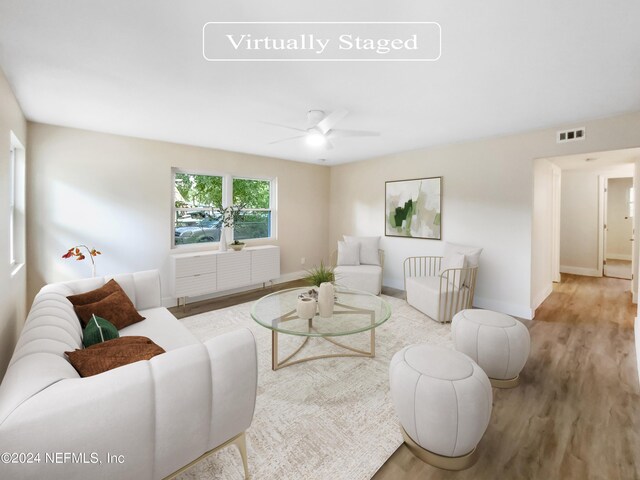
[[320, 131]]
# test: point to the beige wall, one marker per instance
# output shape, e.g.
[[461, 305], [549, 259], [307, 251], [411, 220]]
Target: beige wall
[[115, 193], [579, 223], [580, 240], [619, 223], [543, 230], [12, 283], [487, 202]]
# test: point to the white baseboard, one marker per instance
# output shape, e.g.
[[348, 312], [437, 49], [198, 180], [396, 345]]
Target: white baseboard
[[287, 277], [393, 283], [588, 272], [541, 297], [637, 332], [619, 256], [520, 311]]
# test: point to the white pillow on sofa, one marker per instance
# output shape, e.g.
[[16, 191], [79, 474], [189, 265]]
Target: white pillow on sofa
[[369, 246], [348, 254]]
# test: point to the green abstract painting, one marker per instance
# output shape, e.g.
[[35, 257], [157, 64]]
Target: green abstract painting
[[412, 208]]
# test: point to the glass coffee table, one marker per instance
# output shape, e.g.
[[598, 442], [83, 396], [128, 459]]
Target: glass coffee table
[[354, 312]]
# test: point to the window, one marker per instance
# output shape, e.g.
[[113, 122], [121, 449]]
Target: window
[[198, 199], [16, 203], [255, 196], [12, 205]]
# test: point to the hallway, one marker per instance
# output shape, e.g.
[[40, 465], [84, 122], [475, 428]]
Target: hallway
[[589, 300], [575, 414], [618, 268]]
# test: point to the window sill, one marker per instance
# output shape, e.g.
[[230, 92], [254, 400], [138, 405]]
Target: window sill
[[15, 268], [216, 245]]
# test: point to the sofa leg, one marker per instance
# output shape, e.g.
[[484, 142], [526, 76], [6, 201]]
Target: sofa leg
[[241, 443]]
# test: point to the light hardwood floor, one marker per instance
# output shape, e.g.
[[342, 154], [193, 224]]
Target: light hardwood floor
[[576, 413]]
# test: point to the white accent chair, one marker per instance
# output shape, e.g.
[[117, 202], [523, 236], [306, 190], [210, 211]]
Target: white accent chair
[[159, 414], [359, 277], [436, 292]]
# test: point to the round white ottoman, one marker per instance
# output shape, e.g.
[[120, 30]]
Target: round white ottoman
[[499, 343], [443, 400]]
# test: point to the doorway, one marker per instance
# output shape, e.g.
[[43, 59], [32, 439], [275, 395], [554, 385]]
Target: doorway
[[595, 222], [618, 231], [569, 214]]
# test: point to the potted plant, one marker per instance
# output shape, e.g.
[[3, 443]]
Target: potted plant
[[237, 245], [323, 278], [317, 275]]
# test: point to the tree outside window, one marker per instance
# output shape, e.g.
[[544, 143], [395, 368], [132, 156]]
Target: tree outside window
[[255, 195], [199, 199]]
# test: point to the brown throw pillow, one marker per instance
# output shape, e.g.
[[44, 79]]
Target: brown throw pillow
[[116, 308], [95, 295], [111, 354]]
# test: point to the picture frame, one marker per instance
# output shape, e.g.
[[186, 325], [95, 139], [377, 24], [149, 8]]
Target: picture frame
[[413, 208]]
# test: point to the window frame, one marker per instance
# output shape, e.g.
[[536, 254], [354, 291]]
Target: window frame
[[16, 191], [227, 200], [12, 206], [272, 196]]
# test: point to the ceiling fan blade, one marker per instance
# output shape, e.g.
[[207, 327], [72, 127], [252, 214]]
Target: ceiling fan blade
[[287, 139], [285, 126], [340, 133], [331, 120]]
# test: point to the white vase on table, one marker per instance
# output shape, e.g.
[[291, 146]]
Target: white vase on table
[[223, 240], [326, 299], [306, 308]]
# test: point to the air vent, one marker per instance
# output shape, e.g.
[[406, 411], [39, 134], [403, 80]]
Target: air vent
[[571, 135]]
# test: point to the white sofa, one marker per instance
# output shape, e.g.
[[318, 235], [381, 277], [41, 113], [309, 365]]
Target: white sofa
[[159, 415]]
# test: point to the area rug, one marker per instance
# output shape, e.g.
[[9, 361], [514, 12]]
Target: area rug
[[325, 419]]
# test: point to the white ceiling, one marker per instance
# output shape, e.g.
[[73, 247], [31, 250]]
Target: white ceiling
[[136, 68]]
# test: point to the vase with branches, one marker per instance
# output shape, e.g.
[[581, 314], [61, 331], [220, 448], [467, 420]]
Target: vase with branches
[[77, 253], [228, 216]]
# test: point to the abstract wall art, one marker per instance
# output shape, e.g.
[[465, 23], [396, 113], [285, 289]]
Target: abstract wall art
[[412, 208]]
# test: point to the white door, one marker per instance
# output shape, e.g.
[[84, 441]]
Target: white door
[[618, 227], [602, 221], [604, 226], [555, 227]]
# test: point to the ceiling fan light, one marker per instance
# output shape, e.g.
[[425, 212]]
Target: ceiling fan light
[[316, 139]]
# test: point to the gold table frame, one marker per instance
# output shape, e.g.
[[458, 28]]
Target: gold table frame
[[287, 362]]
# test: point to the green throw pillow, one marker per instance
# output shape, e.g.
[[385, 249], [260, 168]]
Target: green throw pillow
[[98, 330]]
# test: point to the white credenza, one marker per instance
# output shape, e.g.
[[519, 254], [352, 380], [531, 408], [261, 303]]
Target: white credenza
[[200, 273]]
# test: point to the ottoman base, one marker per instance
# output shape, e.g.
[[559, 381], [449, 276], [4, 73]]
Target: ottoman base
[[440, 461], [511, 383]]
